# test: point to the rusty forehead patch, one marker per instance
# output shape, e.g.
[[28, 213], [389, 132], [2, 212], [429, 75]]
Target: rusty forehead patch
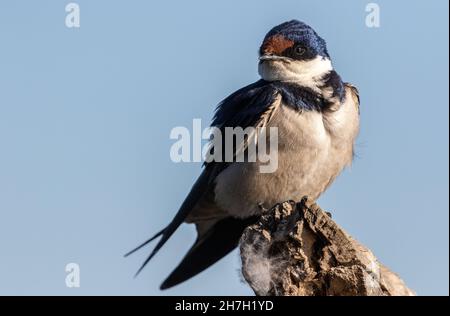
[[276, 44]]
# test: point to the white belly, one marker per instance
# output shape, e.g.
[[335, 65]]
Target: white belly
[[313, 148]]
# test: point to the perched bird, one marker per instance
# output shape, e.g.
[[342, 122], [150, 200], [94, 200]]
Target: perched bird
[[317, 116]]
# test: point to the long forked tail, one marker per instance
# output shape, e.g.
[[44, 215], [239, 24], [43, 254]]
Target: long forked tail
[[145, 243], [197, 191], [220, 239]]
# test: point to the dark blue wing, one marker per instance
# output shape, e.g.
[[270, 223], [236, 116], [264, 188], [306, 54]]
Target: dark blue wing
[[243, 108]]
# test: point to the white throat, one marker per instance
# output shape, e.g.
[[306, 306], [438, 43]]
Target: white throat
[[307, 73]]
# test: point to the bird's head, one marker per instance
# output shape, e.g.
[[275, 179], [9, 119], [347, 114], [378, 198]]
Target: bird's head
[[292, 51]]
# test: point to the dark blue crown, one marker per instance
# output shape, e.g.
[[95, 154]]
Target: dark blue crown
[[300, 32]]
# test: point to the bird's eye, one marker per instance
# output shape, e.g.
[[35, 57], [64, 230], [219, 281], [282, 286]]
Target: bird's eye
[[299, 50]]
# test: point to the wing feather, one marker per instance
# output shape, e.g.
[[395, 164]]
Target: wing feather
[[253, 105]]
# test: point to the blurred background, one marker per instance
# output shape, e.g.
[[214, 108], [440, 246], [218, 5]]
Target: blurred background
[[86, 113]]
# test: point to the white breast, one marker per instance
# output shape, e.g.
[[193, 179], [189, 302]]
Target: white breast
[[313, 149]]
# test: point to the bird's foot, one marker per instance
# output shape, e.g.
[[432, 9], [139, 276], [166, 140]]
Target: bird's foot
[[262, 208]]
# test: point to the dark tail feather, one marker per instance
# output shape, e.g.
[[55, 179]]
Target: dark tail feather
[[198, 189], [144, 243], [221, 239], [158, 246]]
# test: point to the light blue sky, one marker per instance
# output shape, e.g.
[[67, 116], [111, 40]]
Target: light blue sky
[[85, 117]]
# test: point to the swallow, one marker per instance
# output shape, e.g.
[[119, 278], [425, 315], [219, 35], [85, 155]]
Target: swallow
[[317, 118]]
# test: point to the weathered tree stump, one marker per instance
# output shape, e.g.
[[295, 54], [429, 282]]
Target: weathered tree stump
[[297, 249]]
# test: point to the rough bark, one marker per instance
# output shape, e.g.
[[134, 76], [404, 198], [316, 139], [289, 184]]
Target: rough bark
[[297, 249]]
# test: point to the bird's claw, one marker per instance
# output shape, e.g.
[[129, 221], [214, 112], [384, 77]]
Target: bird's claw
[[262, 208]]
